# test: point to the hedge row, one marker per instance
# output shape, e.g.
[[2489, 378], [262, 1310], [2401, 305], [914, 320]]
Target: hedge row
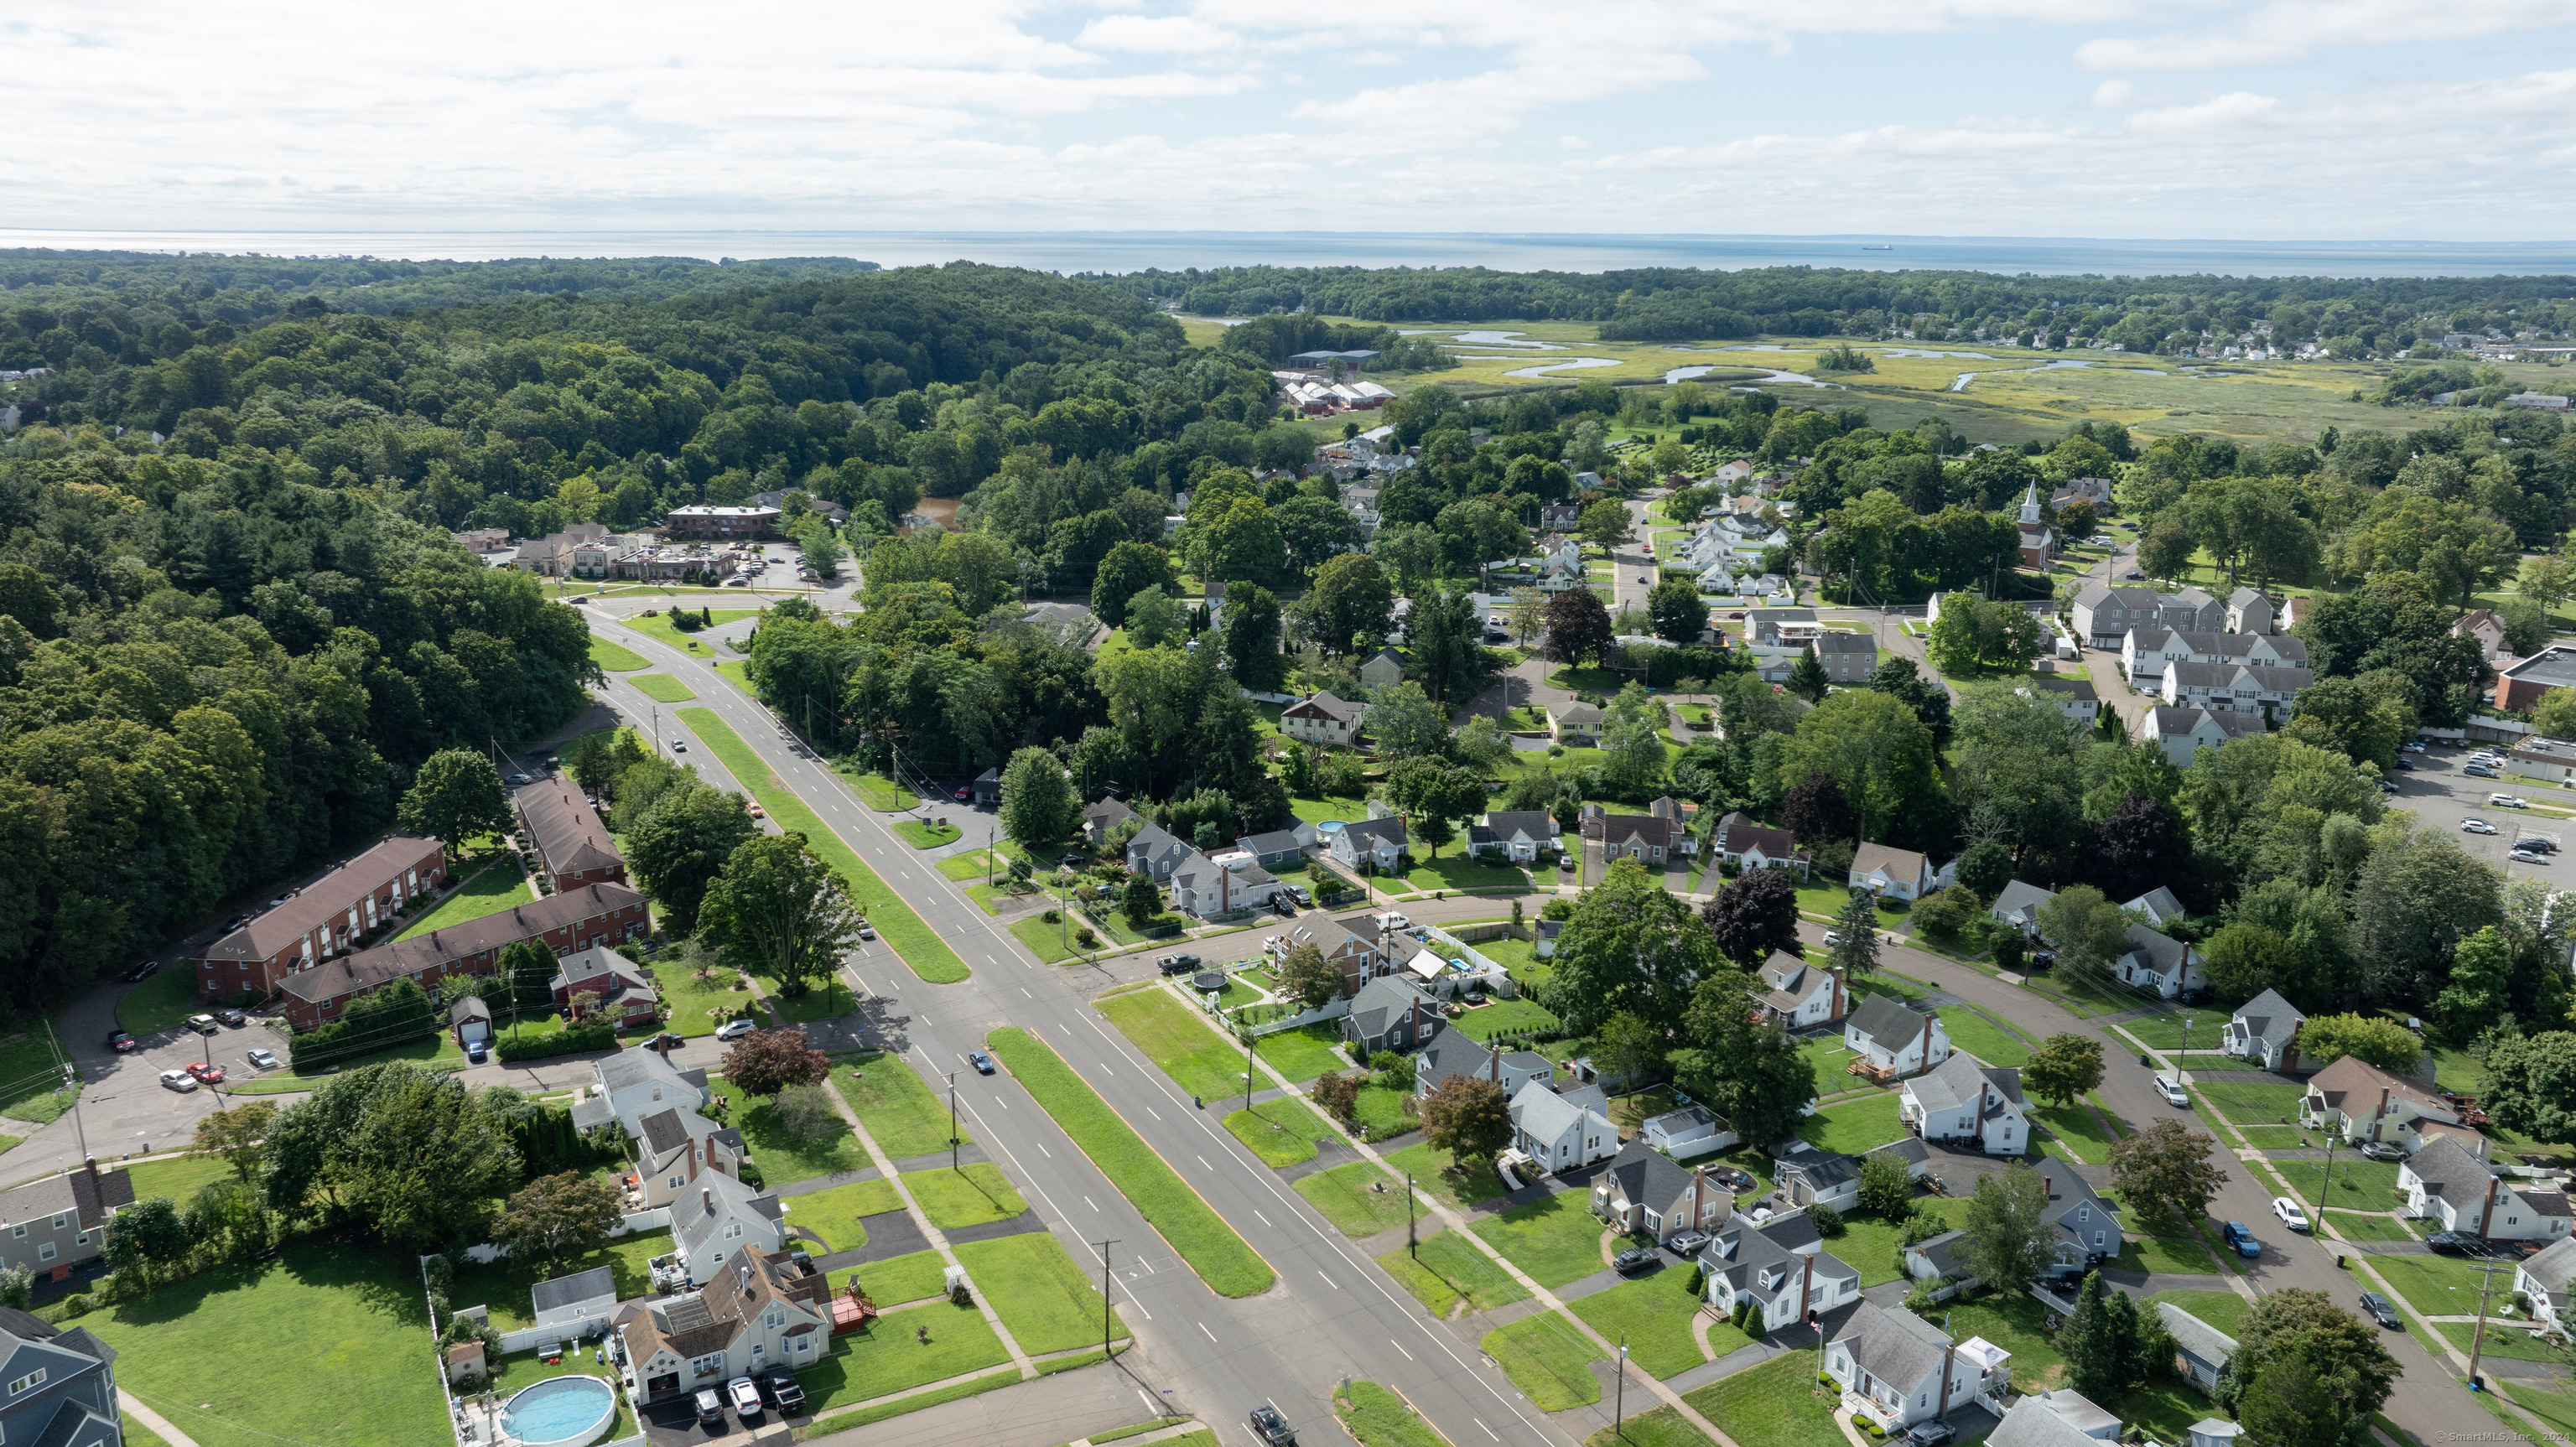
[[595, 1034]]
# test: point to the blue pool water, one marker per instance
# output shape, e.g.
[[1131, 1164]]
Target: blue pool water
[[1329, 826], [570, 1410]]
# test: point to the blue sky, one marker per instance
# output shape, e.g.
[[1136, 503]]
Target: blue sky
[[2129, 118]]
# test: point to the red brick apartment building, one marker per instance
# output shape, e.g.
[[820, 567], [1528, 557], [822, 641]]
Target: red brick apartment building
[[596, 914], [327, 918]]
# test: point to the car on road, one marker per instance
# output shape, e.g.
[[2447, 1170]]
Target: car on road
[[2135, 575], [758, 812], [277, 903], [1688, 1243], [517, 779], [1391, 921], [1832, 938], [205, 1074], [123, 1043], [710, 1410], [735, 1029], [2171, 1089], [2508, 801], [746, 1397], [2521, 855], [203, 1024], [2290, 1213], [1177, 964], [232, 1017], [2241, 1239], [143, 971], [1642, 578], [2383, 1151], [236, 922], [1930, 1433], [178, 1080], [1271, 1428], [982, 1062], [1634, 1260], [2376, 1307], [779, 1386], [263, 1060], [2476, 825], [867, 931], [679, 746]]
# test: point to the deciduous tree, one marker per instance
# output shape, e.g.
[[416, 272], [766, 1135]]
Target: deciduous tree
[[1678, 614], [1886, 1186], [679, 843], [2167, 1172], [2380, 1041], [1578, 627], [2346, 1356], [2087, 931], [146, 1239], [2063, 1067], [556, 1220], [1469, 1117], [777, 909], [1251, 628], [234, 1136], [1350, 603], [2007, 1238], [1751, 1073], [1754, 915], [455, 797], [766, 1062], [1039, 806], [1631, 947], [1308, 978]]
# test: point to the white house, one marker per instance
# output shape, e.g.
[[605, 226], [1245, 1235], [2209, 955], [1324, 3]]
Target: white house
[[1320, 718], [2545, 1279], [674, 1147], [1204, 887], [1892, 873], [1962, 1102], [770, 1311], [2234, 687], [2200, 1350], [632, 1084], [1748, 845], [2158, 962], [2444, 1183], [1641, 1191], [2361, 1102], [1938, 1259], [2018, 906], [1454, 1055], [1802, 994], [2158, 905], [1156, 851], [1779, 1268], [722, 1218], [1896, 1369], [1369, 841], [1812, 1177], [1894, 1040], [1519, 835], [2183, 732], [2060, 1418], [1563, 1132], [2266, 1029], [1693, 1130]]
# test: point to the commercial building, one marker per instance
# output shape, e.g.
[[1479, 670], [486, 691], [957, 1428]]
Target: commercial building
[[705, 521]]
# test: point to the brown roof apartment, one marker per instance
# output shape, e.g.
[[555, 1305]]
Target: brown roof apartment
[[326, 917], [596, 914], [571, 838]]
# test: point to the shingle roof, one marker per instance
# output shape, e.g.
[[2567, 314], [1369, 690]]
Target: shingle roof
[[2450, 1173], [1897, 1347], [1576, 713], [1885, 1020], [1845, 643], [2036, 1421], [696, 1219], [2163, 953], [1953, 1083], [1683, 1122], [1737, 833], [1381, 1000], [2555, 1266], [2195, 1336], [1390, 829], [2021, 901], [1325, 705], [367, 969], [2159, 901], [1898, 863], [1536, 823], [1547, 1116], [2355, 1079], [569, 834], [1277, 841], [1942, 1251], [573, 1290], [1645, 1176], [2260, 1012], [324, 901]]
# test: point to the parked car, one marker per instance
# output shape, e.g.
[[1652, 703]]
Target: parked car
[[746, 1397], [735, 1029], [710, 1409], [2387, 786], [1068, 860], [236, 922], [2135, 575], [867, 931], [1929, 1433], [2520, 855], [1634, 1260], [123, 1043], [1177, 964], [517, 779], [203, 1024], [2507, 801], [2383, 1151], [178, 1080], [2474, 825], [2481, 771], [232, 1017], [2541, 842], [1271, 1428], [2413, 746], [144, 971], [2407, 764], [982, 1062], [2454, 1243], [2241, 1239], [2290, 1213], [205, 1074], [783, 1393], [1688, 1243], [2171, 1089], [965, 792], [263, 1060], [2376, 1307]]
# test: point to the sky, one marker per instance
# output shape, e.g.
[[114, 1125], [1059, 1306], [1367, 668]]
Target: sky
[[2282, 119]]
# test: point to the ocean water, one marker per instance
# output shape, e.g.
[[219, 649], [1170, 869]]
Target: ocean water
[[1126, 251]]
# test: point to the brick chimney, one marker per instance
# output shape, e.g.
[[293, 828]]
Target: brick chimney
[[2486, 1214], [2290, 1051], [1842, 995], [1941, 1403]]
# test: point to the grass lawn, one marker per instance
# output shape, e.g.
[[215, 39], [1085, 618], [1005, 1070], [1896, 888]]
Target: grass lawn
[[1303, 1053], [1050, 943], [975, 866], [1555, 1241], [2358, 1182], [2165, 1032], [1380, 1109], [782, 1156], [830, 1002], [1981, 1037], [881, 793], [2252, 1104], [2224, 1310], [1655, 1312], [1548, 1360], [1446, 1270], [505, 1290], [1435, 1172], [2012, 1323], [1317, 811], [179, 1178], [886, 1358], [1376, 1417], [496, 887], [358, 1312], [2182, 1255], [1360, 1199], [1281, 1132], [1868, 1245], [1853, 1126], [1662, 1427], [921, 948], [1457, 871], [1776, 1404], [1042, 1294], [616, 657], [917, 1277], [1177, 1038], [922, 834], [1517, 960], [969, 1195], [2073, 1133], [2370, 1226], [1827, 1056], [835, 1214], [437, 1052], [138, 1435], [1505, 1017], [694, 1004], [2511, 1340], [2438, 1285], [660, 627], [903, 1114], [662, 688], [1222, 1259], [158, 1004]]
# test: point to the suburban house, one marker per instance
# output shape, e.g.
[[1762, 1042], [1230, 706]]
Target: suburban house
[[1779, 1268], [1802, 994], [573, 844], [2546, 1279], [1789, 629], [2074, 697], [1519, 835], [2183, 732], [675, 1146], [1279, 846], [2158, 905], [721, 1217], [56, 1223], [2266, 1028], [624, 990], [2483, 625], [1961, 1102], [2060, 1418], [1320, 718], [1748, 845], [591, 915], [363, 894], [1370, 841], [2445, 1184], [2158, 962], [1575, 725], [1563, 1132], [1642, 837], [1383, 669], [1641, 1191], [1693, 1130], [1892, 873], [2200, 1350], [1204, 888], [632, 1084], [1847, 657], [2104, 615], [576, 1305], [2018, 905], [1452, 1055], [1812, 1177], [2234, 687], [1897, 1369], [2085, 1229], [1155, 851], [1102, 817], [1352, 946], [1892, 1039], [62, 1385], [2250, 612], [769, 1311], [2361, 1102], [1391, 1013], [1937, 1259]]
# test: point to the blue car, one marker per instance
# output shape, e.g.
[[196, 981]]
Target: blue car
[[2242, 1239]]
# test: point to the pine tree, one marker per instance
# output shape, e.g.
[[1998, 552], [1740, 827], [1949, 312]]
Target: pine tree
[[1807, 676], [2090, 1342], [1857, 954]]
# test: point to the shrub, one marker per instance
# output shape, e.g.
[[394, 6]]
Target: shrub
[[76, 1304], [390, 1015], [596, 1033], [1086, 938], [1052, 917], [1829, 1222], [1920, 1298]]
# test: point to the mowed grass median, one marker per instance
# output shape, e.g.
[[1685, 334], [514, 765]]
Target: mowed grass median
[[912, 938], [1222, 1259]]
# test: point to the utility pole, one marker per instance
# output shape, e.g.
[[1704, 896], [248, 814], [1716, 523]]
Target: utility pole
[[1247, 1065], [1619, 1403], [1412, 1243], [952, 1120], [1106, 1332], [2486, 1286]]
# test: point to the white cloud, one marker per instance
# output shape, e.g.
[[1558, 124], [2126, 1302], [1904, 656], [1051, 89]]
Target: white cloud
[[2288, 31], [2112, 95]]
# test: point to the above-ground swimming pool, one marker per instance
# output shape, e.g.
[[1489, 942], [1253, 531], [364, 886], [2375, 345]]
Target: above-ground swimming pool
[[1329, 826], [561, 1412]]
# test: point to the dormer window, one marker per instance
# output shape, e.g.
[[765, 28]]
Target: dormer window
[[29, 1382]]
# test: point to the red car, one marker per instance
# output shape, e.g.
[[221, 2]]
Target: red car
[[205, 1074], [123, 1043]]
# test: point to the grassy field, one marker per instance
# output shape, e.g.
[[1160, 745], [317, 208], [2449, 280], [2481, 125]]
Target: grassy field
[[1303, 1053], [364, 1327], [2363, 1184], [782, 1157], [1446, 1272], [902, 1112], [881, 793], [690, 1001], [887, 1358], [490, 890], [1046, 1299], [2370, 1226], [178, 1178], [1548, 1360], [1555, 1241], [1177, 1038], [1376, 1417], [662, 688], [922, 834], [917, 1277], [1776, 1404], [1380, 1109], [1505, 1017], [158, 1004], [1655, 1314], [1982, 1037], [2165, 1032], [1457, 871], [1854, 1125], [659, 626], [1455, 1186], [438, 1052], [835, 1215], [1222, 1259], [1360, 1199], [2073, 1133], [921, 948], [968, 1195], [504, 1288], [614, 657], [1662, 1427], [1280, 1132], [2253, 1104], [2438, 1285]]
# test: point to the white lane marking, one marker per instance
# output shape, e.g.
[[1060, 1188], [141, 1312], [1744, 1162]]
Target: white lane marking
[[1095, 1209], [1328, 1281], [1479, 1421], [1042, 1150], [1203, 1162], [1025, 991], [1211, 1336], [1149, 1110], [1399, 1346], [1264, 1219]]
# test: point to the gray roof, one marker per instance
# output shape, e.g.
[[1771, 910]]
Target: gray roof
[[2158, 901], [2039, 1421], [2020, 901], [2196, 1337], [582, 1288], [2163, 952], [637, 1067], [1536, 823], [2074, 687], [1884, 1018], [1683, 1122], [695, 1220], [1743, 1249], [1845, 643], [1390, 829], [2554, 1267], [1960, 1081], [469, 1008], [1458, 1054], [1897, 1347], [1381, 1000], [1277, 841], [2449, 1172], [1646, 1176], [1943, 1252], [1546, 1116]]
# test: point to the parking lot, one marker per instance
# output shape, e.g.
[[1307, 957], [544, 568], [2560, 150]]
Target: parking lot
[[2442, 795]]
